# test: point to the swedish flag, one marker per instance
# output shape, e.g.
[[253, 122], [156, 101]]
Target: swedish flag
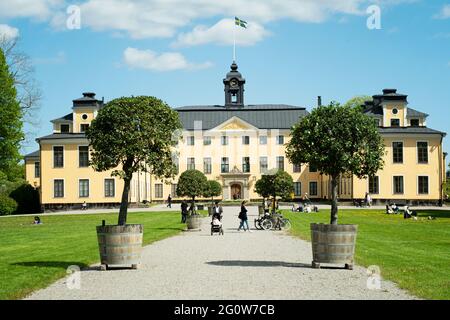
[[240, 23]]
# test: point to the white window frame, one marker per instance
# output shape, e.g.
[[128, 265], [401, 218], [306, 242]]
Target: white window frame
[[64, 188], [417, 180], [78, 156], [393, 184], [428, 152], [379, 184], [104, 189], [53, 156], [263, 144], [317, 188], [89, 188], [403, 152]]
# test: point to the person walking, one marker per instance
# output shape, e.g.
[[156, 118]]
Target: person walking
[[368, 200], [217, 209], [244, 218], [169, 201], [184, 211]]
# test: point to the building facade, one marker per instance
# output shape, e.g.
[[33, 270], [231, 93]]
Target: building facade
[[236, 144]]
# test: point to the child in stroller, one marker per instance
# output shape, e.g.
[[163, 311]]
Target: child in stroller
[[216, 224]]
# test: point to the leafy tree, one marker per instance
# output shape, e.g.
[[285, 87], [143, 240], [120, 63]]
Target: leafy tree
[[11, 133], [278, 184], [133, 134], [357, 102], [192, 183], [213, 189], [337, 140], [7, 205]]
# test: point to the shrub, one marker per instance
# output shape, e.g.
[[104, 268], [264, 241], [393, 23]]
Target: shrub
[[7, 205], [27, 199]]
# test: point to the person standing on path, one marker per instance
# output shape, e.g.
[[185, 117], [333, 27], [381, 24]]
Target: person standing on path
[[184, 211], [169, 201], [243, 217], [217, 209]]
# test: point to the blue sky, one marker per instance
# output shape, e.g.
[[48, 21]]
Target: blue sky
[[179, 51]]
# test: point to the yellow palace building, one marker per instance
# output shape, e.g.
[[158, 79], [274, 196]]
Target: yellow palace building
[[235, 144]]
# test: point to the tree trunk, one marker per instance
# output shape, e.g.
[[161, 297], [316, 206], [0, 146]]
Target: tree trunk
[[193, 205], [334, 204], [124, 204], [274, 203]]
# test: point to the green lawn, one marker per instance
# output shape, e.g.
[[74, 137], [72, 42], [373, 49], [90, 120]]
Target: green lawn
[[414, 254], [33, 256]]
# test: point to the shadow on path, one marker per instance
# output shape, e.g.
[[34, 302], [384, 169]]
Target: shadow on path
[[51, 264], [245, 263]]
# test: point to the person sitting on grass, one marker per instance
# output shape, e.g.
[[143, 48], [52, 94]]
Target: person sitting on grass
[[37, 220], [389, 209], [408, 214], [394, 208]]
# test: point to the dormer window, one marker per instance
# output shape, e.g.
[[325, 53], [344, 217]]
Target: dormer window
[[395, 111], [65, 128], [84, 116], [395, 122], [415, 123], [84, 127]]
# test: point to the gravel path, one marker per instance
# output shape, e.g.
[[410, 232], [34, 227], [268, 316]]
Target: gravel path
[[238, 265]]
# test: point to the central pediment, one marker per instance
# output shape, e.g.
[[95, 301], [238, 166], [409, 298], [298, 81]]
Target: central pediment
[[235, 124]]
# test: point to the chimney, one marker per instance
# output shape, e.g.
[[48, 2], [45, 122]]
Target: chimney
[[319, 101]]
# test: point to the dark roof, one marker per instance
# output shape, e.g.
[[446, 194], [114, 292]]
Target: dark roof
[[266, 116], [56, 136], [374, 111], [415, 113], [35, 154], [410, 130], [67, 117], [88, 99]]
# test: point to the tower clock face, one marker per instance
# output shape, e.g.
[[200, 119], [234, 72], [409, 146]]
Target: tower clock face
[[234, 83]]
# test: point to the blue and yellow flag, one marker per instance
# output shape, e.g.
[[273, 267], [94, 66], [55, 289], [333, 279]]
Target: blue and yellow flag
[[240, 23]]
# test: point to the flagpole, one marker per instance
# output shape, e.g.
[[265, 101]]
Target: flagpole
[[234, 42]]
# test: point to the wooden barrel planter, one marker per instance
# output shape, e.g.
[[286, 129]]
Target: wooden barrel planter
[[333, 244], [210, 211], [120, 245], [193, 222]]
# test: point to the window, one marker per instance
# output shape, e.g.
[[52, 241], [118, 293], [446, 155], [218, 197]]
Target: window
[[37, 169], [58, 188], [312, 168], [263, 166], [415, 123], [395, 111], [423, 185], [110, 188], [245, 140], [84, 116], [296, 168], [280, 139], [297, 188], [158, 190], [83, 188], [207, 165], [395, 122], [173, 190], [190, 163], [246, 164], [262, 139], [280, 163], [397, 152], [398, 185], [176, 163], [224, 140], [190, 140], [84, 127], [313, 188], [65, 128], [83, 156], [206, 140], [374, 185], [422, 152], [225, 165], [58, 157]]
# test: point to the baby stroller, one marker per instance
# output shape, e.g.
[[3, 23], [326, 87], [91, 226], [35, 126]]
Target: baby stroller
[[216, 224]]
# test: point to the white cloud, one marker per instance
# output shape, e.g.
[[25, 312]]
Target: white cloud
[[444, 13], [39, 9], [167, 61], [8, 32], [222, 33]]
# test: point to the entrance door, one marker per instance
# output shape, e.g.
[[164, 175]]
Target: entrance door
[[236, 191]]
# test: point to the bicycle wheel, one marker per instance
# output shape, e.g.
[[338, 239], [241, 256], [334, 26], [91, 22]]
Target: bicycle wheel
[[266, 224], [285, 224], [258, 224]]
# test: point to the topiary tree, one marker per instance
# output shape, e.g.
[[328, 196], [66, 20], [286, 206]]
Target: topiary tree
[[213, 189], [192, 183], [27, 198], [337, 140], [278, 184], [133, 134]]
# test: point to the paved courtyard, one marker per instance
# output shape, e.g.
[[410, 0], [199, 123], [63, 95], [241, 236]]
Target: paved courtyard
[[237, 265]]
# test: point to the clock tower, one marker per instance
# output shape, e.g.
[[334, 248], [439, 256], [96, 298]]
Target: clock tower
[[234, 88]]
